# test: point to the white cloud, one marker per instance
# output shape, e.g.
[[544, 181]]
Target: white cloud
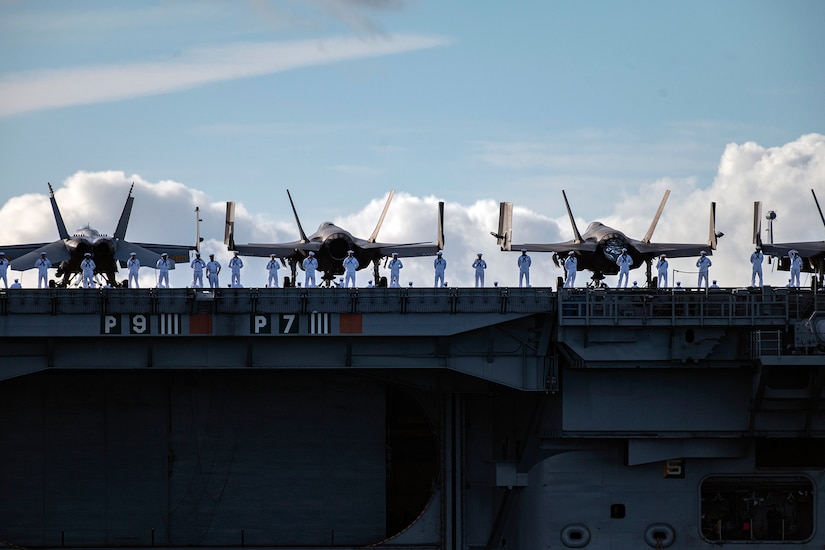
[[44, 89], [781, 177]]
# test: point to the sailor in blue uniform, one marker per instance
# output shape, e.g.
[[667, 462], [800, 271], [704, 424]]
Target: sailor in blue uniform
[[703, 263], [163, 266], [440, 265], [235, 264], [395, 270], [88, 267], [213, 268], [796, 267], [42, 264], [133, 265], [570, 267], [310, 264], [756, 266], [479, 265], [624, 261], [197, 265], [661, 269], [350, 266], [4, 266], [524, 263], [272, 267]]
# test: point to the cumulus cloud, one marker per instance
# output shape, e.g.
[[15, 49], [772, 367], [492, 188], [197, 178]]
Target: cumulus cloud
[[50, 88], [781, 177]]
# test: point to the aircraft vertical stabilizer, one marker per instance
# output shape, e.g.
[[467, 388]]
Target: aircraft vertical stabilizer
[[229, 228], [578, 239], [61, 227], [381, 219], [440, 237], [757, 223], [652, 228], [712, 236], [505, 225], [120, 232], [304, 238]]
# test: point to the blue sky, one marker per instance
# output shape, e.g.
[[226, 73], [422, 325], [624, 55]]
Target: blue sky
[[342, 100]]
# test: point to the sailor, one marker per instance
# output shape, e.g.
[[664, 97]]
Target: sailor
[[213, 268], [4, 266], [350, 267], [756, 265], [42, 264], [635, 286], [439, 264], [714, 285], [395, 270], [197, 265], [479, 265], [678, 287], [134, 265], [88, 267], [370, 285], [310, 264], [524, 263], [163, 266], [796, 267], [624, 261], [703, 263], [570, 266], [235, 264], [16, 284], [272, 267], [661, 269]]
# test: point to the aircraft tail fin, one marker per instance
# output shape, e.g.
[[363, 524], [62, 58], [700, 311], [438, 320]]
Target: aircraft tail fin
[[504, 237], [374, 235], [576, 235], [440, 238], [652, 228], [817, 207], [198, 238], [229, 229], [757, 223], [120, 231], [304, 238], [61, 227], [713, 235]]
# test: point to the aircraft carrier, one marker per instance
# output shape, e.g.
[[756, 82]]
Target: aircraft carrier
[[412, 418]]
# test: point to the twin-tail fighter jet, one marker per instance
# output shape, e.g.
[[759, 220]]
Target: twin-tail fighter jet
[[69, 250], [811, 252], [330, 244], [598, 247]]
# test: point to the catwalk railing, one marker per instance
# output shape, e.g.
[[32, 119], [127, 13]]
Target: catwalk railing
[[574, 307]]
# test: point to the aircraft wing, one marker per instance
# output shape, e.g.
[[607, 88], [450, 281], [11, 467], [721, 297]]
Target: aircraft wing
[[23, 256], [405, 250], [149, 253], [673, 250], [282, 250], [580, 247], [805, 249]]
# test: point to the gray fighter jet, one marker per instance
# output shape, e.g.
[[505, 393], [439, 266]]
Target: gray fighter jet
[[68, 251], [811, 252], [598, 247], [330, 244]]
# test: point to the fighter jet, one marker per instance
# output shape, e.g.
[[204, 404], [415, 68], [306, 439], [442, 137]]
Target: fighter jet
[[68, 251], [330, 244], [812, 252], [598, 247]]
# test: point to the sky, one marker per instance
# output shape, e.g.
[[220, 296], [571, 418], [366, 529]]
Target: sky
[[340, 101]]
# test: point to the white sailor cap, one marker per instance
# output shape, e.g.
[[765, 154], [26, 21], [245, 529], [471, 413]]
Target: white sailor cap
[[87, 254], [350, 252], [395, 253], [758, 247], [703, 253], [135, 254], [311, 253], [438, 253], [570, 253], [663, 255], [524, 250], [198, 254], [624, 250], [236, 252], [164, 254], [2, 253], [272, 255], [479, 254], [42, 253], [211, 255]]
